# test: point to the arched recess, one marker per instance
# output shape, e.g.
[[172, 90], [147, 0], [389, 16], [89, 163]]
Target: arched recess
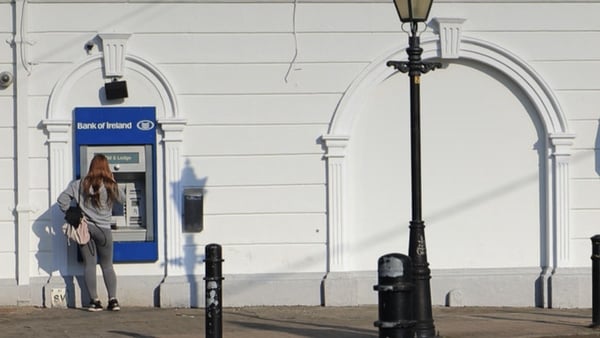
[[159, 93], [522, 75]]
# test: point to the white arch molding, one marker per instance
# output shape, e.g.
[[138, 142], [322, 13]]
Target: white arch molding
[[523, 76], [58, 125]]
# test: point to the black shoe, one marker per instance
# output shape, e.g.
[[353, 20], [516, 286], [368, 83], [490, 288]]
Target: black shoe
[[95, 306], [113, 305]]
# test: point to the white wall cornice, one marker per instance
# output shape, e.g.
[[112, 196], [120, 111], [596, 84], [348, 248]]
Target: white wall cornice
[[114, 49], [562, 143], [450, 31], [336, 145], [57, 127], [172, 129]]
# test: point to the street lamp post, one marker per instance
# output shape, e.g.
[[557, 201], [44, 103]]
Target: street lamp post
[[413, 12]]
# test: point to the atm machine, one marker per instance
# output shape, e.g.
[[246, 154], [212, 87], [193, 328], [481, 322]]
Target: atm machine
[[127, 137]]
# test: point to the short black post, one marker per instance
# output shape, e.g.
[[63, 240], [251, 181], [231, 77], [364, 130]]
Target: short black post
[[395, 287], [213, 278], [595, 281]]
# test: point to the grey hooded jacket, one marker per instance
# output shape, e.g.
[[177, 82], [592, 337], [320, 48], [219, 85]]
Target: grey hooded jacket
[[98, 216]]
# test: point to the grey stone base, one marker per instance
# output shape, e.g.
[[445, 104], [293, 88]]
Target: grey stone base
[[272, 289], [489, 287], [244, 290], [526, 287], [176, 292], [523, 287], [8, 292], [131, 290], [349, 288], [571, 288]]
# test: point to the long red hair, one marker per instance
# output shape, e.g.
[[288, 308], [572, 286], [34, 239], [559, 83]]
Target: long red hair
[[99, 174]]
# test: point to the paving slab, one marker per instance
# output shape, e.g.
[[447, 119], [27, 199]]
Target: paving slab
[[289, 322]]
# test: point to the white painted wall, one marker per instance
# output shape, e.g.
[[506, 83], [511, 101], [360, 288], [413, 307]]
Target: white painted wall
[[258, 92], [481, 172]]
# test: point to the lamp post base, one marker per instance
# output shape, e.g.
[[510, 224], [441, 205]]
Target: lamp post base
[[417, 251]]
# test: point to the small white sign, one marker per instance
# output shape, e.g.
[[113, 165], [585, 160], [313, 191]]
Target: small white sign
[[59, 297]]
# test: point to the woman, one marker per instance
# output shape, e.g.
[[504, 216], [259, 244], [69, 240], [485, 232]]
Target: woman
[[96, 193]]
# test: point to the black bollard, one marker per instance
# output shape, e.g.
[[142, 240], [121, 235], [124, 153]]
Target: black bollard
[[595, 281], [213, 278], [395, 297]]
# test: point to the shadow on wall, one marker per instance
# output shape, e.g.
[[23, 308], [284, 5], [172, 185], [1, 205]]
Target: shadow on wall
[[43, 228], [53, 249], [191, 257], [49, 236]]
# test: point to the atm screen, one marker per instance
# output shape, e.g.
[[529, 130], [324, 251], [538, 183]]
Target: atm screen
[[129, 157]]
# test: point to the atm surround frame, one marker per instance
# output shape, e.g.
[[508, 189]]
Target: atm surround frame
[[90, 129]]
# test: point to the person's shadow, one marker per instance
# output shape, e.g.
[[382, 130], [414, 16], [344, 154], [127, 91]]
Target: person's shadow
[[191, 257], [53, 256]]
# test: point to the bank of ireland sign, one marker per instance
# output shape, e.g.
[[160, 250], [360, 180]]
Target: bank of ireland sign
[[115, 125]]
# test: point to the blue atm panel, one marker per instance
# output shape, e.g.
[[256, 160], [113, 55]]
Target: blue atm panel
[[127, 137]]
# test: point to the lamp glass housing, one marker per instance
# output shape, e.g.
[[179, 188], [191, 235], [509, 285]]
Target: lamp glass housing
[[413, 10]]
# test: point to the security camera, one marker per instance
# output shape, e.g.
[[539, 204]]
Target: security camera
[[6, 79], [89, 46]]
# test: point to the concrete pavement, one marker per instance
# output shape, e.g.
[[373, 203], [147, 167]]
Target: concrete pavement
[[288, 322]]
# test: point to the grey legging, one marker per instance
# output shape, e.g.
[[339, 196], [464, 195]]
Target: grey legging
[[100, 245]]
